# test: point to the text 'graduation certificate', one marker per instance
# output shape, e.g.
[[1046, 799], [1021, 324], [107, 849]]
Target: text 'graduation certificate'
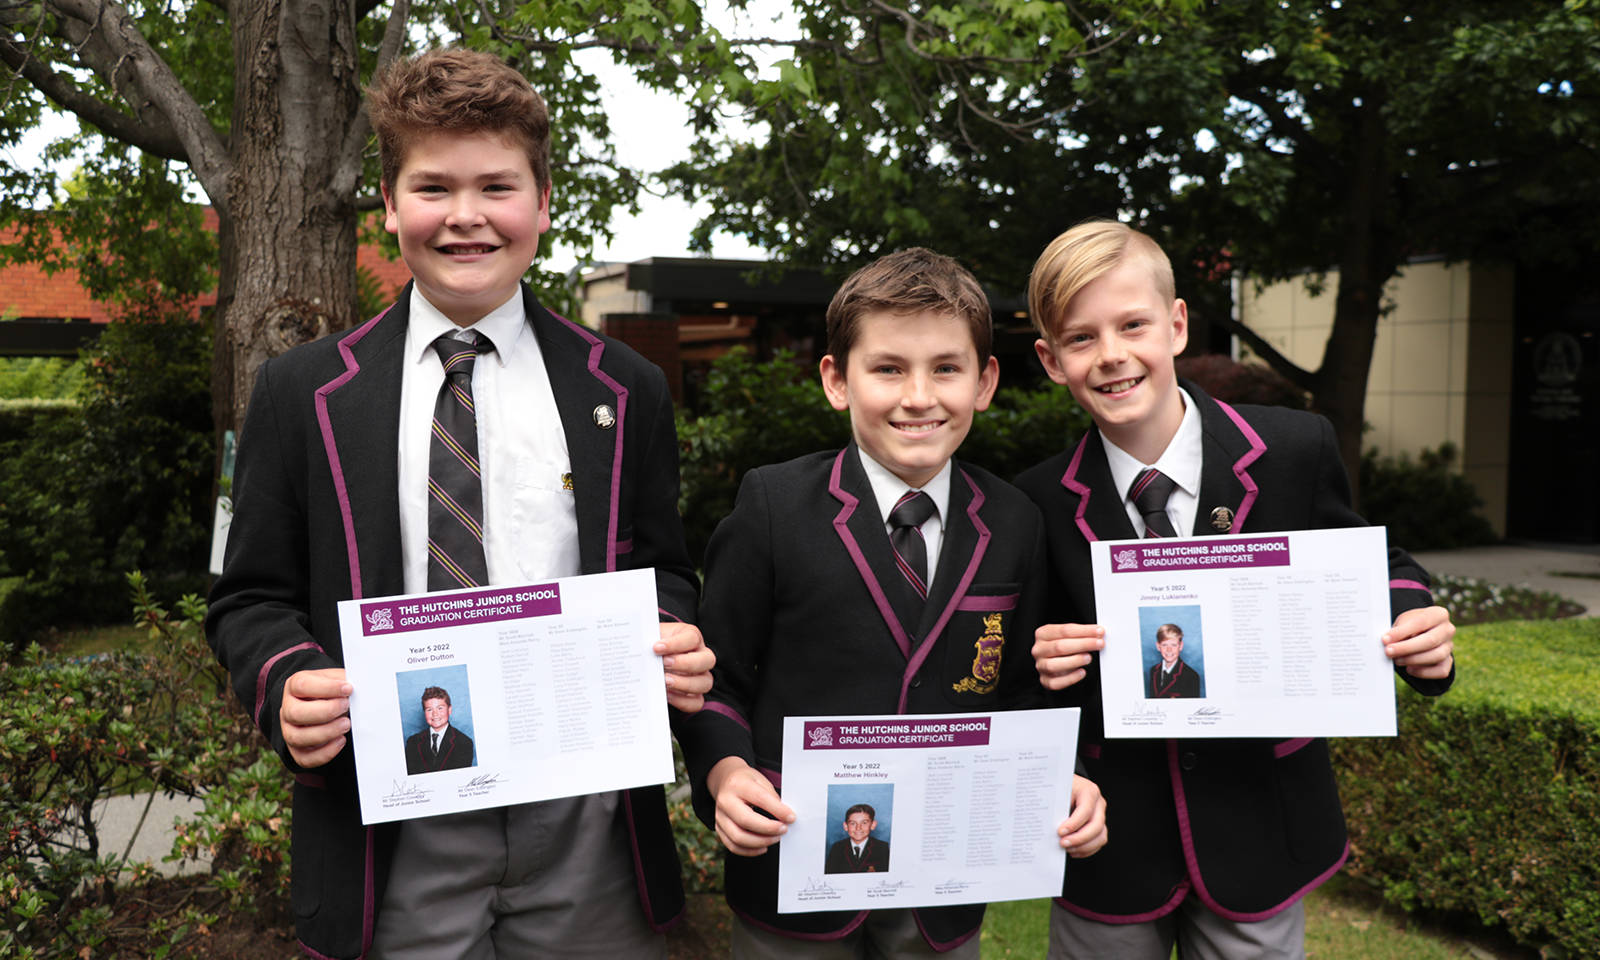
[[924, 810], [486, 697], [1265, 635]]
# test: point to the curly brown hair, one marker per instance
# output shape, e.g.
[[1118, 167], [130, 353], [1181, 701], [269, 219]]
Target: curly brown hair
[[462, 91]]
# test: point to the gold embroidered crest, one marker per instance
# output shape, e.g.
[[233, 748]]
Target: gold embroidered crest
[[986, 660], [566, 481]]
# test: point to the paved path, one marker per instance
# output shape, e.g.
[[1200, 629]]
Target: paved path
[[1536, 565]]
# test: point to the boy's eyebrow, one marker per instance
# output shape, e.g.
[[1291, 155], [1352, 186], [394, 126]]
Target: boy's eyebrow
[[509, 173]]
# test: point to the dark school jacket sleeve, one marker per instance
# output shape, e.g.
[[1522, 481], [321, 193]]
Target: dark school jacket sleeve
[[258, 622], [657, 529], [736, 617], [1408, 582]]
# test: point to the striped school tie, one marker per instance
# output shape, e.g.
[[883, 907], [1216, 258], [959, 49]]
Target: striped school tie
[[910, 512], [455, 484], [1149, 494]]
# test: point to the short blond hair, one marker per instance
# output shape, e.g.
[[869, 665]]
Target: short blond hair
[[1081, 256]]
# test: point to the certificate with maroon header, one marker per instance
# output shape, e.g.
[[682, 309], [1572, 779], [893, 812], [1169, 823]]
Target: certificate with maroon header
[[486, 697], [924, 810], [1266, 635]]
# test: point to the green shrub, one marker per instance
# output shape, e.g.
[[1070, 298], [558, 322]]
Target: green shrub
[[20, 419], [1425, 504], [74, 733], [1488, 803], [122, 481], [44, 378], [1023, 427]]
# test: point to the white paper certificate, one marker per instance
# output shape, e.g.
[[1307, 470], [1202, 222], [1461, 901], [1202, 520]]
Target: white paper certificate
[[925, 810], [1270, 635], [549, 690]]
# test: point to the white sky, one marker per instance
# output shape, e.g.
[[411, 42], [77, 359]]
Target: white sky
[[649, 129]]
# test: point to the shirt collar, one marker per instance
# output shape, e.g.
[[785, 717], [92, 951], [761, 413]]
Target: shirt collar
[[1180, 461], [887, 488], [503, 326]]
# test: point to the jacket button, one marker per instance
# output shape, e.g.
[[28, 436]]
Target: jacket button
[[1188, 761]]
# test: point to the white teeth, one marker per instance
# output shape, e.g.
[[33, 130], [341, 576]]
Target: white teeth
[[1118, 386], [915, 427]]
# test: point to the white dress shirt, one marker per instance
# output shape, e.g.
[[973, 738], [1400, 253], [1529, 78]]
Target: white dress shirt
[[530, 520], [887, 489], [1180, 462]]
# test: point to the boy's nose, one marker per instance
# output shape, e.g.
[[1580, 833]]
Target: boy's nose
[[464, 212], [1112, 351], [918, 392]]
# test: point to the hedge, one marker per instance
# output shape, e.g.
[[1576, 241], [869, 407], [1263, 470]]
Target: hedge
[[20, 418], [1488, 803]]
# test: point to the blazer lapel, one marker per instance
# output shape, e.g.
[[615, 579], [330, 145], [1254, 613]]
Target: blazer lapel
[[359, 414], [860, 529], [1230, 446], [1099, 513], [593, 410]]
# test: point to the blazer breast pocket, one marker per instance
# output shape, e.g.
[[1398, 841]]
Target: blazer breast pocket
[[975, 642]]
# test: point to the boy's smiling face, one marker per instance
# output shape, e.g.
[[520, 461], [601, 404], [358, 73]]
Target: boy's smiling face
[[468, 214], [1114, 348], [911, 383]]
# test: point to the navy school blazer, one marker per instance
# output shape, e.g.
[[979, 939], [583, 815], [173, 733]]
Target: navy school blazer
[[801, 608], [317, 520], [1247, 825]]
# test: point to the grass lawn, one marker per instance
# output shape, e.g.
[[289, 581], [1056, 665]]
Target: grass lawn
[[87, 641]]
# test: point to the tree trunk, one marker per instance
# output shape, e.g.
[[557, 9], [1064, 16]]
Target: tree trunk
[[1368, 258], [288, 236]]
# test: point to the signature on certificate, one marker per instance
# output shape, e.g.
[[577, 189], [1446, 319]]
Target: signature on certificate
[[888, 886], [483, 780], [817, 888], [403, 789], [1207, 712]]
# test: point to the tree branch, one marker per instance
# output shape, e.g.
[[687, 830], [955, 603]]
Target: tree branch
[[347, 170], [111, 44], [155, 139], [1293, 372]]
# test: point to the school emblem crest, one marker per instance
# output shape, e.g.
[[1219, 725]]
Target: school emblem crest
[[986, 660], [822, 736], [604, 417], [379, 620], [1126, 559], [566, 482]]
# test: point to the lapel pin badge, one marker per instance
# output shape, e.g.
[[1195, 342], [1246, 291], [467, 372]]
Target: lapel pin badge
[[604, 417], [1222, 519]]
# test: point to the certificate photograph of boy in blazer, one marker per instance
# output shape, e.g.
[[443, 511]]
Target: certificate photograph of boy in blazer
[[883, 578], [466, 436], [438, 746], [1232, 832], [858, 851], [1170, 676]]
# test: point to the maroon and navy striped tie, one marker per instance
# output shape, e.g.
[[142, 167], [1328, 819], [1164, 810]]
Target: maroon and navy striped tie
[[1149, 494], [910, 512], [455, 482]]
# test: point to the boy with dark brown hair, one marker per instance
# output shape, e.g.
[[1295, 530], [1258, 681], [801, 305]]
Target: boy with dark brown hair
[[881, 578], [466, 436], [1232, 832]]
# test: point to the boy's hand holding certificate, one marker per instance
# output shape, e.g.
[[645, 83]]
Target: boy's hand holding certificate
[[487, 697], [1268, 635]]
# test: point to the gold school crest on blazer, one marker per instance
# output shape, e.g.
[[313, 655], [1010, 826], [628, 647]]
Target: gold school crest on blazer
[[986, 661]]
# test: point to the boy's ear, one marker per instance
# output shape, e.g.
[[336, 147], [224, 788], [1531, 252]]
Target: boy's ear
[[988, 382], [391, 222], [1047, 356], [544, 209], [1180, 326], [833, 383]]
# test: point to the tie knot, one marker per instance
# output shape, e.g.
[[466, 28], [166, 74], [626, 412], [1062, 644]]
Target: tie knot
[[458, 355], [1150, 490], [912, 510]]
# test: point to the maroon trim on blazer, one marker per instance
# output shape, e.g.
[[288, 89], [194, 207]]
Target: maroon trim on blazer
[[315, 781], [1091, 750], [1257, 448], [926, 646], [314, 955], [841, 527], [369, 894], [597, 347], [946, 945], [717, 706], [1178, 893], [1070, 481], [266, 668], [774, 777], [1193, 862], [667, 614], [989, 604], [624, 546], [1283, 748], [839, 934], [1409, 585], [638, 873], [320, 402]]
